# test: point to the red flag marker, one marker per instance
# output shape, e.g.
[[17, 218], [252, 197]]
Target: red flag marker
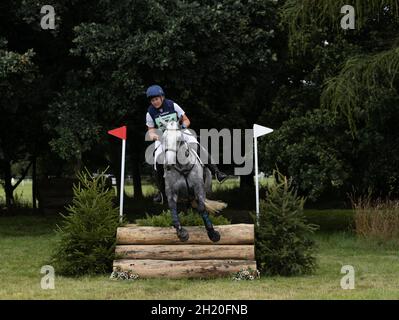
[[121, 134]]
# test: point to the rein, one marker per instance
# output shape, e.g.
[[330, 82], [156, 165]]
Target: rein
[[184, 171]]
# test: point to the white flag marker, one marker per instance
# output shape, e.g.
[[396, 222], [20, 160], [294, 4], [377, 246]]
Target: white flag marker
[[258, 132]]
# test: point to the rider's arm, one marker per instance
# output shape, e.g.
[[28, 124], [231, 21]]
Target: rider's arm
[[153, 134], [151, 128], [182, 115], [185, 120]]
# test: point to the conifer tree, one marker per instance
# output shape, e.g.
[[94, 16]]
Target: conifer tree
[[283, 242], [88, 233]]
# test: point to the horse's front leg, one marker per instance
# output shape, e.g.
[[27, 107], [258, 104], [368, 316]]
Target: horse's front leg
[[212, 233], [171, 194]]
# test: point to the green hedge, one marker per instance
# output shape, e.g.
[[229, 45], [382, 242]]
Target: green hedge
[[191, 218]]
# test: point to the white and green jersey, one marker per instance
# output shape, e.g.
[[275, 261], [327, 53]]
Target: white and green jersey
[[154, 115]]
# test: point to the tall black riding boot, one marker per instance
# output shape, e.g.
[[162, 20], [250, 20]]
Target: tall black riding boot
[[160, 197], [219, 175]]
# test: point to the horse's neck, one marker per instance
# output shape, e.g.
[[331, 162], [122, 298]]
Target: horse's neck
[[171, 139], [191, 157], [182, 147], [174, 141]]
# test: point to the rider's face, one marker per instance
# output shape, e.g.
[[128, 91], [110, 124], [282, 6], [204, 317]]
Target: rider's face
[[157, 101]]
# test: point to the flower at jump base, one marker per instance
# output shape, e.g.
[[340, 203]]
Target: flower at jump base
[[246, 274], [119, 274]]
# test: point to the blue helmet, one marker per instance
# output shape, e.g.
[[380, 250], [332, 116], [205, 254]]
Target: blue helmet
[[155, 91]]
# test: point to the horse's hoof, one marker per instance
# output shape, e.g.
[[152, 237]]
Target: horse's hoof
[[182, 234], [213, 235]]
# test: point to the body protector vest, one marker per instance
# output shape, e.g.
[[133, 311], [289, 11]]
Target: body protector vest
[[167, 114]]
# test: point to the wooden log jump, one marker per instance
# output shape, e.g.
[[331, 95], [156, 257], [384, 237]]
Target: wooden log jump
[[186, 252], [153, 252], [229, 234], [184, 268]]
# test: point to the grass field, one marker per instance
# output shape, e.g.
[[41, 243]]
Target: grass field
[[23, 193], [26, 243]]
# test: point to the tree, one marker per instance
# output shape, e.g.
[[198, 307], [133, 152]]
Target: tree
[[216, 58], [374, 61], [351, 73], [33, 64], [87, 235], [314, 151], [17, 79], [283, 236]]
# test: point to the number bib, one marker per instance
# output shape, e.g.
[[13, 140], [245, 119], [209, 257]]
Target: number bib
[[166, 118]]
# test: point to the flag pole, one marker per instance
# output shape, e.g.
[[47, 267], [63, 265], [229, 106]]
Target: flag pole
[[122, 189], [256, 179], [121, 134], [258, 131]]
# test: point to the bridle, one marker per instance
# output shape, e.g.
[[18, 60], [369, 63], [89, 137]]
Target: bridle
[[183, 171]]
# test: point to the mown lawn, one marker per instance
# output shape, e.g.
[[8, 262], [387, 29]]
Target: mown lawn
[[26, 243]]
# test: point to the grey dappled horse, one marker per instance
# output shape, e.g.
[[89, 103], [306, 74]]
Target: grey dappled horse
[[185, 177]]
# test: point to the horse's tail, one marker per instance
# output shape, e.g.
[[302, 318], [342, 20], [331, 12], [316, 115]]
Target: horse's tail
[[212, 206]]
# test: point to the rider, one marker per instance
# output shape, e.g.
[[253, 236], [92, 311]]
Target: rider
[[162, 107]]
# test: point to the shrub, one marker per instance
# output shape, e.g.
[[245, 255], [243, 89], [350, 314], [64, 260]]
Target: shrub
[[88, 233], [191, 218], [283, 244], [378, 219]]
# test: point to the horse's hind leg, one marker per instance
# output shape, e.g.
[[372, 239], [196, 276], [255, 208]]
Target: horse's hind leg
[[212, 233], [181, 232]]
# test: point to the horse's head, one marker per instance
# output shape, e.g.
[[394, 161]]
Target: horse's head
[[170, 141], [172, 126]]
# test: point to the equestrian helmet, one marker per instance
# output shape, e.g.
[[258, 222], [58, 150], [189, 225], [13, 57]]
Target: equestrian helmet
[[154, 91]]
